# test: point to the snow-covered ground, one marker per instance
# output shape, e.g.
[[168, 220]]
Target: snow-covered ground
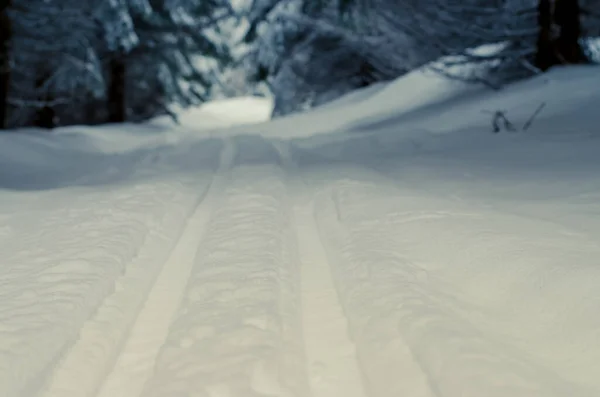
[[388, 244]]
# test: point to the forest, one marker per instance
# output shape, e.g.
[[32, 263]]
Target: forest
[[65, 62]]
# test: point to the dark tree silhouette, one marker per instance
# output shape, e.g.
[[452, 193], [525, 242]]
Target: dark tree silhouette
[[117, 111], [559, 33], [5, 37], [567, 14]]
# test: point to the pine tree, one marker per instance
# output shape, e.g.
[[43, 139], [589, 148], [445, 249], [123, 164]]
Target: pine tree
[[169, 64], [120, 38], [55, 60], [304, 53], [93, 61]]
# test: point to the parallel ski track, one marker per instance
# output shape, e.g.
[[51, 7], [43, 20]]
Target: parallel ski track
[[331, 362], [136, 362], [119, 364]]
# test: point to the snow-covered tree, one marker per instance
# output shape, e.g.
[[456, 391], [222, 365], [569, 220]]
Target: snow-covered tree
[[308, 48], [177, 47], [92, 61], [304, 53], [53, 59]]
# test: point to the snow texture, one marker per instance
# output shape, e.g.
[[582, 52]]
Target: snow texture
[[387, 244]]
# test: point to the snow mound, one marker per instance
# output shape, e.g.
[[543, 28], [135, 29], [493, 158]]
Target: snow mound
[[34, 145], [242, 110], [221, 113], [426, 103], [411, 92]]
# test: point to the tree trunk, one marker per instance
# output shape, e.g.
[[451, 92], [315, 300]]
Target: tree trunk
[[45, 115], [545, 57], [117, 111], [559, 33], [45, 118], [567, 16], [5, 37]]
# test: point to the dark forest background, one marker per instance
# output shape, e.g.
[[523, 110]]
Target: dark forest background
[[66, 62]]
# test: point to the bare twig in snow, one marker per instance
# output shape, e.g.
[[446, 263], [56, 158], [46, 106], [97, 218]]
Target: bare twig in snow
[[500, 120], [533, 116]]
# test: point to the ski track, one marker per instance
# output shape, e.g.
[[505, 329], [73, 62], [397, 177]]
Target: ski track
[[61, 259], [277, 282], [332, 364], [136, 361], [84, 366], [237, 332], [408, 322]]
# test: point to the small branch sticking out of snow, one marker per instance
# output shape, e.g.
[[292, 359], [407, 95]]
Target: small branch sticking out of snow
[[499, 120], [530, 121], [499, 116]]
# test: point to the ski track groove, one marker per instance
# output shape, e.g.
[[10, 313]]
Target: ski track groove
[[238, 331], [102, 350], [147, 351], [405, 327], [332, 365], [387, 358], [137, 359]]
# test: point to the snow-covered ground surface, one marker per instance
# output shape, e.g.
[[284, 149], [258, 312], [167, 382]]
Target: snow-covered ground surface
[[387, 245]]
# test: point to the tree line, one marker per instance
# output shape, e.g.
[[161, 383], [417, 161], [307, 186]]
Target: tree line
[[97, 61], [313, 50]]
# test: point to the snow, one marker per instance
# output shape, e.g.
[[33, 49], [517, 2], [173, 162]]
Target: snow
[[418, 90], [386, 244], [244, 110]]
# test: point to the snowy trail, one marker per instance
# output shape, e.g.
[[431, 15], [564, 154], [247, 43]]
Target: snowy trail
[[389, 245], [237, 332], [333, 368], [116, 338], [62, 256], [137, 358], [268, 269]]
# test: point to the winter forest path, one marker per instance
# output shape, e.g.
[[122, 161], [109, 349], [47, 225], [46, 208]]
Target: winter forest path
[[245, 303], [271, 269]]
